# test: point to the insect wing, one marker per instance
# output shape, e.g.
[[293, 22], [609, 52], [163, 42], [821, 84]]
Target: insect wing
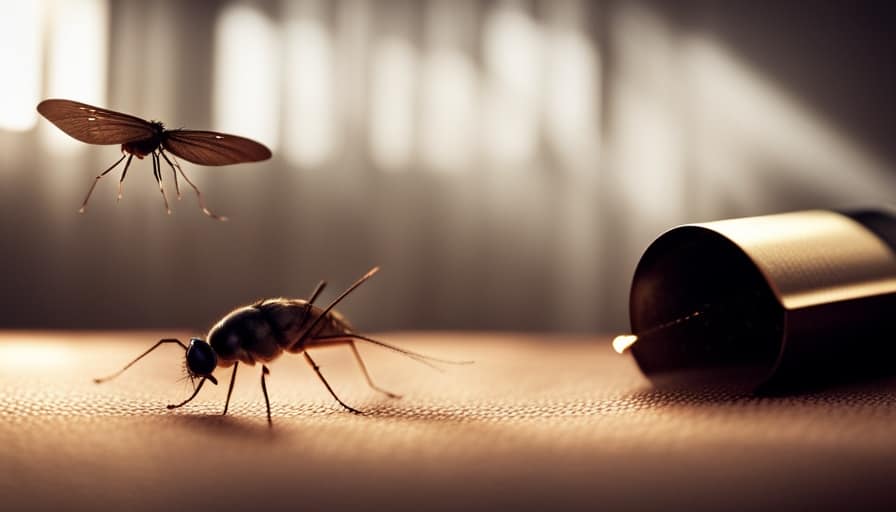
[[94, 125], [213, 148]]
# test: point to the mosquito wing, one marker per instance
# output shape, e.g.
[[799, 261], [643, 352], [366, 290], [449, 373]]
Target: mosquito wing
[[214, 148], [94, 125]]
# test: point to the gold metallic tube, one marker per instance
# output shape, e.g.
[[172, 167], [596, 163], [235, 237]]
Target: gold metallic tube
[[768, 303]]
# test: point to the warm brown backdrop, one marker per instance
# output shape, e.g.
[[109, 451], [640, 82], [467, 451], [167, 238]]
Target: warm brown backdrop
[[590, 127]]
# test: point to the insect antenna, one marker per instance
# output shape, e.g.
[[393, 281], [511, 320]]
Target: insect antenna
[[100, 176], [175, 166]]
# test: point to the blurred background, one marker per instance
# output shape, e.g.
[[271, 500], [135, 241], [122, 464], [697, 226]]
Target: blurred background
[[505, 162]]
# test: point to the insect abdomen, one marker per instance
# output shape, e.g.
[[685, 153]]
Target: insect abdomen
[[261, 332]]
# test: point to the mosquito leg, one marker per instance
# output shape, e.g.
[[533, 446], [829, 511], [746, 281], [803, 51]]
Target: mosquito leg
[[264, 389], [348, 339], [174, 169], [173, 173], [121, 180], [157, 168], [327, 384], [319, 341], [176, 186], [157, 171], [99, 176], [230, 388], [366, 374], [176, 165], [185, 402], [141, 356]]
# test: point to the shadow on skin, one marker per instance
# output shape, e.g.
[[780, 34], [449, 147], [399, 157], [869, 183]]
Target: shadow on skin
[[229, 424]]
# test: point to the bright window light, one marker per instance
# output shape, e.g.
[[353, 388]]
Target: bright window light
[[246, 79], [449, 88], [512, 55], [79, 42], [309, 85], [448, 111], [20, 58], [393, 86], [746, 125], [572, 88], [648, 150]]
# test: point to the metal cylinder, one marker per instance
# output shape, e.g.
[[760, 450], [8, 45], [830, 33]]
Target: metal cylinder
[[771, 303]]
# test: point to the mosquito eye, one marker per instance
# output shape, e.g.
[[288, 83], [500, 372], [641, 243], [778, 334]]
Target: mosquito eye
[[201, 359]]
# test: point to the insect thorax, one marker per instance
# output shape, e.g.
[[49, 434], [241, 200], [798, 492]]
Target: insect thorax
[[141, 148]]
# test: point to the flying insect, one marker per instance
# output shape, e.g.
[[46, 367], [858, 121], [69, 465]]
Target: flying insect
[[141, 138]]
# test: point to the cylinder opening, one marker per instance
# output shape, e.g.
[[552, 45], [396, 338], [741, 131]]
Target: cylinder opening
[[731, 323]]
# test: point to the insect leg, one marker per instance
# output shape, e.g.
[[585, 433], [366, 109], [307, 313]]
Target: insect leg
[[173, 173], [334, 339], [157, 170], [185, 402], [264, 389], [176, 165], [121, 180], [119, 372], [347, 340], [98, 177], [230, 388], [327, 384], [367, 375]]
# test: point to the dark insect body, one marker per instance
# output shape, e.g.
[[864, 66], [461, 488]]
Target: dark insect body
[[263, 331], [141, 138]]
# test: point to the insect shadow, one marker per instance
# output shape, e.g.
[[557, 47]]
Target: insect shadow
[[229, 425], [139, 137]]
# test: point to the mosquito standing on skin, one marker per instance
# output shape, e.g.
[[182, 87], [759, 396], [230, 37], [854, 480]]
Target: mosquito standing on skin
[[262, 331], [139, 137]]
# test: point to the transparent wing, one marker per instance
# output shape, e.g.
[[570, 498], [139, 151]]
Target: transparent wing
[[213, 148], [94, 125]]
